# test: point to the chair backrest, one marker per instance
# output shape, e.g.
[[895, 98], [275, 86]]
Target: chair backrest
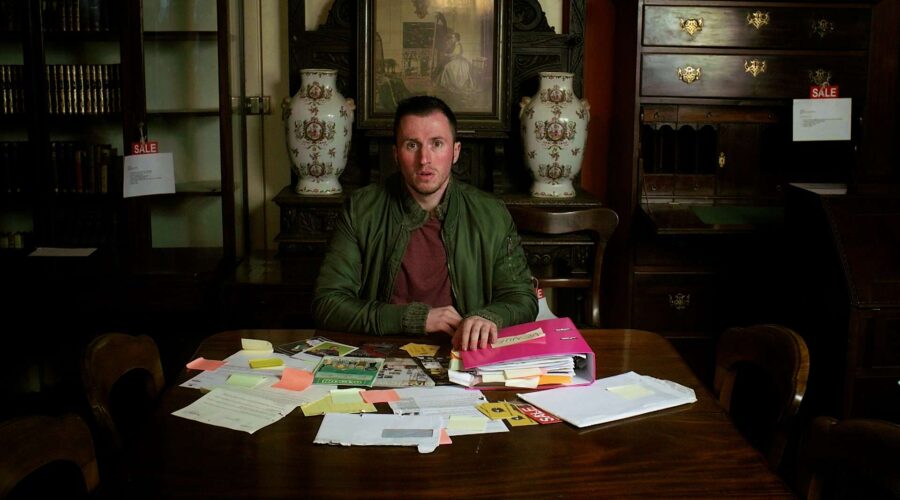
[[760, 380], [109, 359], [31, 443], [855, 458], [599, 223]]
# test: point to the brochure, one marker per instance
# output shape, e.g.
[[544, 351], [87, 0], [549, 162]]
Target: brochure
[[347, 370], [330, 348], [402, 372]]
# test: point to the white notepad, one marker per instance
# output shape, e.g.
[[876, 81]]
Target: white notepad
[[611, 398]]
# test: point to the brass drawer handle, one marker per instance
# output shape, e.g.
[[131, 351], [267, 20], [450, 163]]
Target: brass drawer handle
[[689, 74], [820, 77], [755, 67], [758, 19], [679, 301], [822, 27], [721, 159], [691, 26]]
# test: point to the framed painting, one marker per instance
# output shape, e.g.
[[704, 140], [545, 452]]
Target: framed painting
[[452, 49]]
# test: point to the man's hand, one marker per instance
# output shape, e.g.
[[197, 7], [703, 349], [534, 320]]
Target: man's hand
[[474, 333], [442, 319]]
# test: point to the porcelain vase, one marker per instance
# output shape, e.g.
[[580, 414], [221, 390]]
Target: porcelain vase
[[318, 123], [554, 132]]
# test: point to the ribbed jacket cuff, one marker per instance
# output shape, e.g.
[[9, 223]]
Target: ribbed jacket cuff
[[413, 320]]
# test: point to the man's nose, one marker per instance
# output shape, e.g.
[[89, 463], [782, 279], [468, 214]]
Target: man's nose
[[424, 156]]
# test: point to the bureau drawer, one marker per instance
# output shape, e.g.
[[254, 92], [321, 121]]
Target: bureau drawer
[[673, 302], [788, 28], [777, 77]]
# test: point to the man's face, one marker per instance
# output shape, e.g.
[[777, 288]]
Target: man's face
[[425, 153]]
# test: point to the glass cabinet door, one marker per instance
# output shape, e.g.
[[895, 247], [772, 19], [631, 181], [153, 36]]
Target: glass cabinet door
[[188, 111]]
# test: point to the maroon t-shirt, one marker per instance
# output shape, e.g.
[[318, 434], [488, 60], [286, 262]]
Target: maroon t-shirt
[[423, 275]]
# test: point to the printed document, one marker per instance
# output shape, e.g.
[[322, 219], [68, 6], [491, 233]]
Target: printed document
[[424, 432], [611, 398], [237, 410]]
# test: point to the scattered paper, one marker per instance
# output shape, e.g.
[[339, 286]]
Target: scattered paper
[[475, 423], [244, 380], [239, 363], [234, 410], [257, 345], [266, 363], [595, 404], [346, 396], [631, 391], [327, 405], [61, 252], [380, 430]]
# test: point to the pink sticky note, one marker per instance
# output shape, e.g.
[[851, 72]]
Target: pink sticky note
[[205, 364], [382, 396], [445, 438], [294, 379]]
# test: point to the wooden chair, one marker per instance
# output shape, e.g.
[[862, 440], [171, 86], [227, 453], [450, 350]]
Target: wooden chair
[[760, 380], [599, 223], [122, 377], [855, 458], [34, 444]]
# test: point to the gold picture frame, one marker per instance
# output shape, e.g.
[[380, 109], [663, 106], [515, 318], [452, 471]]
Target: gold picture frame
[[452, 49]]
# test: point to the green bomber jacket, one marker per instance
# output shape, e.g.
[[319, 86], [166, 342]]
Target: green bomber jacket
[[489, 275]]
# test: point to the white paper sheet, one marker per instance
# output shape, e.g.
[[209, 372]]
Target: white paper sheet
[[148, 174], [237, 410], [61, 252], [239, 362], [822, 119], [594, 404], [380, 430], [444, 401]]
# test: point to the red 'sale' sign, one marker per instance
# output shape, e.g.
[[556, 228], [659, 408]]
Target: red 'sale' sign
[[823, 91], [143, 148]]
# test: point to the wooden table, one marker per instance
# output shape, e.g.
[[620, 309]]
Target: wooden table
[[688, 451]]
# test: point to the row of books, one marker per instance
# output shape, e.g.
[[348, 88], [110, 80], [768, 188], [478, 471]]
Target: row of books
[[14, 167], [13, 16], [78, 167], [12, 89], [77, 15], [84, 89], [15, 240], [83, 226]]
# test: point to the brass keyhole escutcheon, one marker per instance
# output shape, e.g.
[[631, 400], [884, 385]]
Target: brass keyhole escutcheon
[[689, 74], [758, 19], [691, 26], [755, 67], [722, 159]]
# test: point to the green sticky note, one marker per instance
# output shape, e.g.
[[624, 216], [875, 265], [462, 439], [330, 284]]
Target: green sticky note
[[244, 380], [630, 391]]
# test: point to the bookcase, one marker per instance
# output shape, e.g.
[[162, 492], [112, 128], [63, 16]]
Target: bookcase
[[80, 81]]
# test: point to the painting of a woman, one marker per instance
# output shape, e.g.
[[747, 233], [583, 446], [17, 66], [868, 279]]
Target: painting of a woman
[[457, 73]]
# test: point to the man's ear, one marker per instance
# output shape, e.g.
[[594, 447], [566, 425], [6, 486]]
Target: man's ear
[[457, 147]]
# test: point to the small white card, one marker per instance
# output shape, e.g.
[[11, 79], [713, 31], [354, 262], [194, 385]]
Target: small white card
[[147, 174], [822, 119]]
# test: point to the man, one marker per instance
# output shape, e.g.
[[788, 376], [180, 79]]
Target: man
[[424, 252]]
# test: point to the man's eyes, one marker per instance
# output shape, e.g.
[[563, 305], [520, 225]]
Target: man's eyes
[[437, 144]]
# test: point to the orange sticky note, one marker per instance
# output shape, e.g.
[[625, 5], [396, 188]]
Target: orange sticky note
[[205, 364], [294, 379], [555, 379], [382, 396], [445, 437]]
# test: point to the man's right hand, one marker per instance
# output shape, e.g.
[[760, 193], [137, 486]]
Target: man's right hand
[[442, 319]]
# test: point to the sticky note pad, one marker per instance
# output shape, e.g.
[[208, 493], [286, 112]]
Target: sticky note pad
[[415, 350], [265, 363], [383, 396], [346, 396], [294, 379], [467, 423], [256, 345], [522, 372], [205, 364], [554, 379], [630, 391], [525, 383], [245, 380]]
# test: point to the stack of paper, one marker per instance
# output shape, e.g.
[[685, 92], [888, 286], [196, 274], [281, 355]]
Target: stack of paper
[[611, 398]]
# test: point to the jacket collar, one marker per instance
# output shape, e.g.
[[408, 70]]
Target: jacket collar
[[413, 215]]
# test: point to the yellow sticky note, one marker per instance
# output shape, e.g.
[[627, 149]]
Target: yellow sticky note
[[467, 423], [245, 380], [256, 345], [265, 363], [415, 350], [522, 372], [630, 391], [344, 396], [525, 383], [555, 379], [492, 377], [494, 411], [327, 405]]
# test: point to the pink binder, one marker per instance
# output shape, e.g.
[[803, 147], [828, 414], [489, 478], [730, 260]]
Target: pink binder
[[560, 337]]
